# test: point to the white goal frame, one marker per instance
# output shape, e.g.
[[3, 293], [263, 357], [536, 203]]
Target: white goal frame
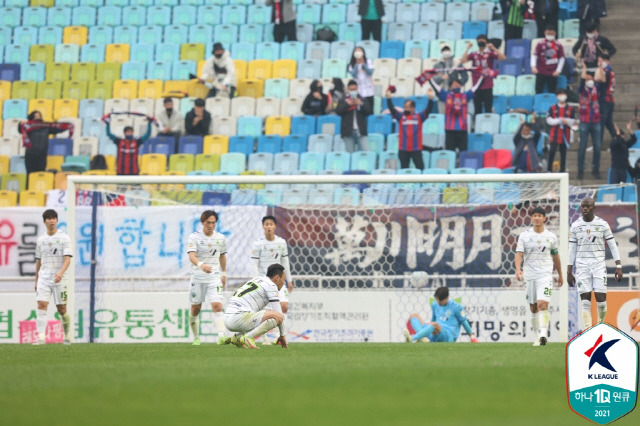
[[561, 178]]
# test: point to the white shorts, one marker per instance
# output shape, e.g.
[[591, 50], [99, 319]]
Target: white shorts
[[244, 321], [283, 294], [591, 279], [46, 288], [201, 291], [538, 289]]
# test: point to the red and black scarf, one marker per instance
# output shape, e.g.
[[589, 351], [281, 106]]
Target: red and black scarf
[[32, 125]]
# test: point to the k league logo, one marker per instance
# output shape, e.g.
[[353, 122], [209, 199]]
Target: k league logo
[[602, 374]]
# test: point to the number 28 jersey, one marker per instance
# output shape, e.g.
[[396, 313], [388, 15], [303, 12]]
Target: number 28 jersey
[[253, 296]]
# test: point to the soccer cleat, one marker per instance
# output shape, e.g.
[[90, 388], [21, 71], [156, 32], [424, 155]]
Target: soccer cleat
[[249, 343], [39, 342], [223, 340], [543, 340], [407, 336], [536, 342], [196, 341], [237, 341]]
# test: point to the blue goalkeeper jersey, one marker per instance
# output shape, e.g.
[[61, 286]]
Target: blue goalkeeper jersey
[[450, 316]]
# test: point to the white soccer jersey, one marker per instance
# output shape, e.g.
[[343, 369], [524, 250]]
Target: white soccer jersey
[[586, 243], [267, 253], [253, 296], [51, 250], [538, 249], [208, 251]]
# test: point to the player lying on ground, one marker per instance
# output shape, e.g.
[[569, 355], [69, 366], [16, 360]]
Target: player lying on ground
[[53, 257], [539, 247], [246, 313], [447, 316]]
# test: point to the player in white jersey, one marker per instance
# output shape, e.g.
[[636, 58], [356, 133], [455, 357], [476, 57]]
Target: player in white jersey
[[254, 309], [587, 259], [207, 255], [270, 249], [53, 257], [539, 247]]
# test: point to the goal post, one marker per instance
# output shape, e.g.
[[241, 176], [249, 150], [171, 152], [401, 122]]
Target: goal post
[[315, 227]]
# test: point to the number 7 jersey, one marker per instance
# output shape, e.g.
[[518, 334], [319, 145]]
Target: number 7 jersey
[[253, 296]]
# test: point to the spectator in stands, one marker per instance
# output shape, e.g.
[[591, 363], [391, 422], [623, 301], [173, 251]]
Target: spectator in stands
[[354, 112], [485, 59], [547, 61], [546, 12], [590, 11], [128, 147], [635, 170], [591, 46], [560, 118], [283, 16], [606, 81], [590, 123], [410, 130], [526, 140], [219, 73], [371, 13], [198, 120], [513, 17], [620, 154], [98, 162], [361, 69], [171, 121], [316, 102], [35, 138], [448, 63], [456, 104], [336, 94]]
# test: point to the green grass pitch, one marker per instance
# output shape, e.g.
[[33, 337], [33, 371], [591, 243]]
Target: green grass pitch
[[308, 384]]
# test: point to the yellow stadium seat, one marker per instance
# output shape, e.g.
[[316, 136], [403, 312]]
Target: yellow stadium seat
[[173, 186], [75, 35], [61, 179], [192, 52], [127, 89], [49, 89], [54, 162], [5, 89], [42, 3], [65, 108], [197, 90], [32, 199], [260, 68], [150, 89], [40, 181], [251, 88], [108, 71], [100, 172], [215, 144], [254, 186], [74, 89], [100, 89], [58, 71], [45, 106], [23, 89], [111, 162], [455, 195], [4, 164], [208, 162], [14, 181], [117, 52], [284, 68], [181, 162], [176, 86], [201, 66], [241, 69], [42, 53], [153, 164], [83, 71], [8, 198], [278, 125]]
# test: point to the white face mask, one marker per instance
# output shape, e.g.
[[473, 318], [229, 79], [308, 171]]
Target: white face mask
[[446, 54], [353, 94], [550, 37], [603, 65], [590, 84], [591, 35], [357, 54], [562, 98]]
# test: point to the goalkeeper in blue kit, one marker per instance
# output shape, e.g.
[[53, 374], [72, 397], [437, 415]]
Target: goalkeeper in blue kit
[[447, 316]]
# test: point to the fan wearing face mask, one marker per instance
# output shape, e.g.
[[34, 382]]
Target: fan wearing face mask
[[448, 62], [560, 118], [219, 73], [171, 121], [354, 112], [590, 11], [485, 58], [591, 46], [526, 142], [35, 138], [361, 69], [128, 146], [316, 101], [590, 123], [606, 80], [547, 62], [546, 13]]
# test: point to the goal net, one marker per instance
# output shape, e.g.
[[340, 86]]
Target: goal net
[[366, 251]]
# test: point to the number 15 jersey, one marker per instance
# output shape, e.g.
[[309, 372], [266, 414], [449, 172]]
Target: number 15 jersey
[[253, 296]]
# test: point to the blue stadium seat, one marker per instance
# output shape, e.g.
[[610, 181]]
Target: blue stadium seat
[[268, 50], [312, 161], [10, 16], [309, 68], [432, 12], [177, 34], [521, 102], [496, 29], [399, 31], [375, 196], [109, 15], [180, 70], [34, 71], [261, 161], [503, 141], [543, 101], [292, 50], [318, 50], [125, 34], [339, 161], [141, 52], [9, 72], [133, 71], [150, 34], [308, 13], [371, 48], [295, 143], [243, 197], [489, 171], [184, 15], [16, 54], [60, 146], [252, 33], [443, 159], [134, 15], [249, 126], [511, 66], [158, 15], [471, 159], [416, 49], [433, 125], [226, 34], [59, 16], [504, 85], [364, 161], [607, 194], [328, 124], [159, 70], [84, 16], [100, 35], [190, 144], [342, 50], [425, 31], [389, 160], [25, 35], [258, 14], [401, 196], [5, 35], [303, 125], [333, 13], [200, 34], [276, 88], [320, 143], [209, 15], [487, 123], [629, 194], [269, 197], [215, 198], [407, 12], [480, 141], [457, 12], [509, 123], [286, 161], [379, 124], [392, 49], [242, 144], [243, 51], [160, 145], [167, 52], [269, 143], [349, 31], [14, 108], [500, 103], [90, 108], [234, 15], [450, 30], [473, 29]]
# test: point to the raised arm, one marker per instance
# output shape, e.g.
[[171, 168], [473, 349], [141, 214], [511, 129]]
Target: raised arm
[[147, 133], [109, 134]]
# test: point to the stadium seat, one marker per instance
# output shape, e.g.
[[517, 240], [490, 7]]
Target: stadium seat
[[134, 71], [117, 53], [176, 34], [504, 85], [524, 102], [259, 69], [303, 125], [526, 85], [83, 16], [40, 181], [511, 66], [470, 160], [24, 35], [328, 124], [208, 162], [215, 144], [226, 34], [87, 146], [472, 29], [266, 50], [45, 106], [32, 199], [76, 163], [499, 158], [57, 72], [8, 198], [42, 53], [278, 125], [509, 123], [159, 70], [92, 53], [190, 144], [181, 162], [321, 143], [109, 15], [379, 124], [49, 89], [398, 31], [284, 68], [269, 144], [153, 164], [125, 34], [318, 50], [242, 144], [503, 141], [443, 159], [294, 143], [309, 69], [480, 141], [286, 161], [101, 35], [233, 162], [338, 161], [108, 71], [393, 49], [487, 123], [251, 87], [294, 50], [364, 161], [261, 161], [15, 108], [542, 102], [312, 161], [450, 30]]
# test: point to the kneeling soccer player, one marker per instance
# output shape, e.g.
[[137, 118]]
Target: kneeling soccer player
[[246, 314], [447, 316]]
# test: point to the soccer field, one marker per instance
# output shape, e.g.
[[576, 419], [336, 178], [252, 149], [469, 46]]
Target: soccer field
[[308, 384]]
